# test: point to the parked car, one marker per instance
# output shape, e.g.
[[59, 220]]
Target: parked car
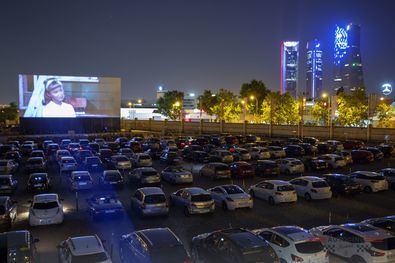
[[80, 180], [353, 144], [294, 151], [51, 149], [8, 166], [241, 154], [325, 148], [346, 157], [336, 145], [170, 158], [154, 245], [145, 176], [294, 244], [26, 149], [342, 184], [232, 245], [357, 242], [82, 249], [370, 181], [120, 162], [82, 154], [8, 184], [310, 140], [64, 143], [18, 246], [266, 168], [38, 182], [61, 153], [105, 155], [388, 150], [141, 160], [259, 153], [215, 171], [14, 156], [177, 175], [386, 223], [315, 164], [223, 155], [8, 214], [242, 169], [193, 200], [45, 209], [290, 166], [389, 174], [150, 201], [230, 197], [103, 205], [312, 187], [362, 156], [308, 148], [377, 154], [111, 178], [92, 164], [199, 157], [334, 161], [274, 191]]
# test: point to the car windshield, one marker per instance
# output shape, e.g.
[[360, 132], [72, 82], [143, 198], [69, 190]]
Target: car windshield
[[233, 189], [155, 199], [296, 162], [113, 176], [384, 244], [35, 161], [97, 257], [319, 184], [82, 178], [284, 188], [201, 198], [4, 181], [47, 205], [309, 247], [148, 173], [122, 159], [269, 165], [177, 170]]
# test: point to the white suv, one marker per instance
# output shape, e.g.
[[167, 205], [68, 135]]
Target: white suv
[[274, 191], [294, 244], [370, 181], [46, 209], [312, 187], [290, 166], [230, 197], [357, 242], [82, 249], [334, 161]]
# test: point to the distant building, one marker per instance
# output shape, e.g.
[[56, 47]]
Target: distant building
[[347, 58], [289, 67], [189, 101], [160, 92], [314, 69]]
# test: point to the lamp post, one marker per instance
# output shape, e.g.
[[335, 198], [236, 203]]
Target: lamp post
[[328, 104], [252, 97], [176, 105], [244, 110]]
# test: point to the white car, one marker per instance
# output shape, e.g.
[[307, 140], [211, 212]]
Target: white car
[[290, 166], [194, 200], [82, 249], [334, 161], [45, 209], [61, 153], [389, 174], [276, 152], [259, 153], [274, 191], [370, 181], [357, 242], [141, 160], [294, 244], [230, 197], [337, 145], [177, 175], [68, 164], [312, 187]]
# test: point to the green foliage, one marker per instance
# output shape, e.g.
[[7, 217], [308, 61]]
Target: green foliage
[[167, 104], [207, 101], [320, 111], [384, 113], [224, 105], [282, 109], [257, 89], [352, 108], [9, 113]]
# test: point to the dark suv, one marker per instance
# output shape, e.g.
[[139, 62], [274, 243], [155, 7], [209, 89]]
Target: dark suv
[[342, 184], [152, 246]]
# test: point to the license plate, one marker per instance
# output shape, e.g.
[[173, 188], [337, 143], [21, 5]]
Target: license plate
[[109, 211], [94, 165], [83, 183]]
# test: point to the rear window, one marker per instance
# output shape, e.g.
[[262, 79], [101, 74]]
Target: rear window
[[149, 173], [201, 198], [122, 159], [285, 188], [319, 184], [35, 161], [232, 189], [338, 158], [68, 161], [269, 165], [82, 178], [38, 179], [144, 157], [309, 247], [98, 257], [113, 176], [155, 199], [221, 168], [48, 205], [93, 160], [296, 162], [384, 244]]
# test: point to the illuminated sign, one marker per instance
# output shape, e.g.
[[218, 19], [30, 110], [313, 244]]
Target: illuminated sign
[[386, 89]]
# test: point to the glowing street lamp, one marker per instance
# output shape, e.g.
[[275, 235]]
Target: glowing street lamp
[[130, 104], [177, 104], [324, 95], [139, 101]]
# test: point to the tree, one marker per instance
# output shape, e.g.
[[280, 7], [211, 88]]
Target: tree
[[320, 111], [227, 106], [281, 109], [9, 113], [384, 113], [254, 93], [170, 104], [207, 101], [352, 108]]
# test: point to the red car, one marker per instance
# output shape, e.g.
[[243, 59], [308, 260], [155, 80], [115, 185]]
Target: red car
[[242, 169], [361, 156], [353, 144]]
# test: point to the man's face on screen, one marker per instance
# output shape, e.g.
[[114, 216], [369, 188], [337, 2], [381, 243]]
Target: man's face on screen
[[57, 95]]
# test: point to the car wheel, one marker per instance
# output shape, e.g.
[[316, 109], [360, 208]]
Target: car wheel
[[307, 196], [367, 189], [186, 212], [271, 201], [357, 259], [225, 206]]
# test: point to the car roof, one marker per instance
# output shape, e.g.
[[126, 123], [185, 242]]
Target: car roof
[[85, 245], [45, 197], [278, 182], [77, 173], [195, 190], [243, 238], [159, 237], [111, 171], [151, 190], [365, 230], [310, 178], [367, 173], [148, 168], [294, 233], [66, 158]]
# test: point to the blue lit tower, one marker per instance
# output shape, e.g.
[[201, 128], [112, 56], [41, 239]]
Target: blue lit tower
[[347, 58], [314, 69], [289, 67]]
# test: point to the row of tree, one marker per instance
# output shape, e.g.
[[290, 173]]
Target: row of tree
[[261, 105]]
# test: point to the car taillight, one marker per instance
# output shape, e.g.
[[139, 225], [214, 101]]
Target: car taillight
[[313, 191], [296, 258], [374, 253], [278, 193]]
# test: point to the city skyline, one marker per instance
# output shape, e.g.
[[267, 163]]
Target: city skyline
[[185, 46]]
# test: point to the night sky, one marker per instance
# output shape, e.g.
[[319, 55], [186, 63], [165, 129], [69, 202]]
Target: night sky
[[183, 44]]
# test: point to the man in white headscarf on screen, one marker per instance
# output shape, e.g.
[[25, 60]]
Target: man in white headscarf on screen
[[54, 105]]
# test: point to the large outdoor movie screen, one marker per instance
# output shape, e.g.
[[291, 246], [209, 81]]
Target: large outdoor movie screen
[[49, 96]]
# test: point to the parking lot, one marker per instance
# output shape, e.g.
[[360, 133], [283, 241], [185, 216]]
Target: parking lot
[[303, 213]]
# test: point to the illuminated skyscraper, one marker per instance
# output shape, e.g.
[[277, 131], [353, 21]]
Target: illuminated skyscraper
[[289, 67], [347, 58], [314, 69]]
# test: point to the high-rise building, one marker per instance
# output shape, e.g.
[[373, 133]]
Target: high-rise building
[[289, 67], [347, 58], [314, 69]]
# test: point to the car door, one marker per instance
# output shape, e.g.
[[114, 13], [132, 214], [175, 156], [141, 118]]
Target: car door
[[333, 241], [176, 197], [280, 245], [210, 253], [259, 190], [136, 250], [137, 199], [217, 194], [12, 207], [298, 187]]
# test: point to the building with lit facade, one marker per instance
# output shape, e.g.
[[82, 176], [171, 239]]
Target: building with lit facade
[[347, 58], [289, 67], [314, 69]]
